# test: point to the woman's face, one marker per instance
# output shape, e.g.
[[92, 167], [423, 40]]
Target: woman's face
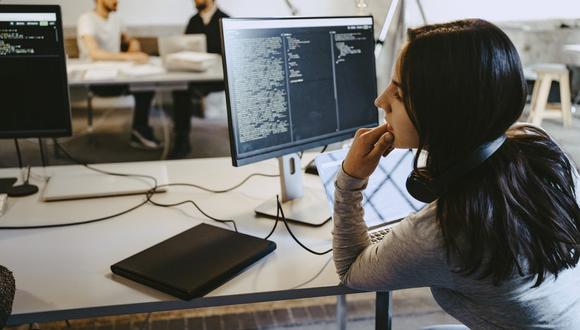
[[399, 123]]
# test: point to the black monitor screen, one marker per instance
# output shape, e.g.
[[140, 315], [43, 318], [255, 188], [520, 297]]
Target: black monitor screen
[[34, 99], [297, 83]]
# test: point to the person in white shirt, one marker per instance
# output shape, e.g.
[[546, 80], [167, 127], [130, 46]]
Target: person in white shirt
[[101, 36]]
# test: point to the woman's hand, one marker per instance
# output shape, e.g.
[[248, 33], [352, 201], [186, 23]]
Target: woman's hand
[[367, 148]]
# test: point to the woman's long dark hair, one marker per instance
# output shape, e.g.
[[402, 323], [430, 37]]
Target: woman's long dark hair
[[462, 86]]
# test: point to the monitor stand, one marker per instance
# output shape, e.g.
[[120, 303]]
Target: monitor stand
[[300, 204]]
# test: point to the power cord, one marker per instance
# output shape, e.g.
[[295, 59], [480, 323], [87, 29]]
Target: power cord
[[189, 201], [313, 159], [148, 195], [84, 222], [280, 214]]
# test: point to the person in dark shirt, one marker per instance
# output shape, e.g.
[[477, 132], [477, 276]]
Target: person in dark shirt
[[207, 21], [190, 102]]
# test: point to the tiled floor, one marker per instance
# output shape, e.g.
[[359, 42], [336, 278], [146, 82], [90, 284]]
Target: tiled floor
[[412, 308]]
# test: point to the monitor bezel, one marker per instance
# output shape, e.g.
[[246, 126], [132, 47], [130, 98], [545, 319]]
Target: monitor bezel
[[52, 133], [340, 136]]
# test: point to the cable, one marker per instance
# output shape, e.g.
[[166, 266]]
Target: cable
[[91, 220], [280, 212], [228, 189], [275, 223], [75, 160], [313, 159], [313, 277], [42, 156], [148, 195], [18, 153], [153, 191]]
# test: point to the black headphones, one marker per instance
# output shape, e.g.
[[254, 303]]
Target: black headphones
[[428, 191]]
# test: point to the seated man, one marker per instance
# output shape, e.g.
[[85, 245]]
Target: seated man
[[206, 21], [100, 38]]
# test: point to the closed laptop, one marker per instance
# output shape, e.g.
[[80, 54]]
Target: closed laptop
[[195, 262]]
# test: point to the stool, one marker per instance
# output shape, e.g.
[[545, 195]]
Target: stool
[[540, 108]]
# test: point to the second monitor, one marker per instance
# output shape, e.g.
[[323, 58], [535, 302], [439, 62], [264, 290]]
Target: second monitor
[[294, 84]]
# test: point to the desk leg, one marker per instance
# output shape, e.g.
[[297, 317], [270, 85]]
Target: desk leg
[[383, 316], [341, 312]]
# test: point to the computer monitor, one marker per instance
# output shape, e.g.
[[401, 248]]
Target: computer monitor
[[34, 96], [293, 84]]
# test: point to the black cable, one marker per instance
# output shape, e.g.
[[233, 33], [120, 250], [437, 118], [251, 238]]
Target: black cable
[[228, 189], [148, 195], [275, 223], [42, 156], [83, 163], [281, 210], [84, 222], [154, 191], [27, 175], [18, 153], [313, 159]]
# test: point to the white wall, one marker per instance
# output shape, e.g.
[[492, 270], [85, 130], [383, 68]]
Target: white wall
[[177, 12], [438, 11]]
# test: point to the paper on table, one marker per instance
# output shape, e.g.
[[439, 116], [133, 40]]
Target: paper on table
[[101, 74], [187, 60], [142, 70]]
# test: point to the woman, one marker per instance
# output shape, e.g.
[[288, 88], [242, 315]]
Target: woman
[[499, 248]]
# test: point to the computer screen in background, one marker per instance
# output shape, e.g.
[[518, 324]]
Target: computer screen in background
[[34, 99], [294, 84]]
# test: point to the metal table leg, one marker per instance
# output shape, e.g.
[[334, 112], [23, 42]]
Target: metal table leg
[[341, 312], [383, 316]]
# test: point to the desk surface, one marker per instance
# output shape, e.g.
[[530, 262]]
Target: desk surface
[[77, 74], [64, 272]]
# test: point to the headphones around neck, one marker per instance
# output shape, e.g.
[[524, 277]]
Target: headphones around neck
[[427, 191]]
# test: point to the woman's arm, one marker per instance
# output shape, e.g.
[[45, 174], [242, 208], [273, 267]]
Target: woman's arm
[[411, 255]]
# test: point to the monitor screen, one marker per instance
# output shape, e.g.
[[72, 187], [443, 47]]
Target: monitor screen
[[34, 99], [297, 83]]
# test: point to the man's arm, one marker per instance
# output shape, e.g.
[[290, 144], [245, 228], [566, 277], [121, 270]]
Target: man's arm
[[133, 45], [98, 54]]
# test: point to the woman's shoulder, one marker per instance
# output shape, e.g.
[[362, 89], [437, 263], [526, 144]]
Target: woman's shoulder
[[423, 225]]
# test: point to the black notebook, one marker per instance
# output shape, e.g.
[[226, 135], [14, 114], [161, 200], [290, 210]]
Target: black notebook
[[195, 262]]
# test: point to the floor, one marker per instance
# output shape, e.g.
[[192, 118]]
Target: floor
[[413, 308]]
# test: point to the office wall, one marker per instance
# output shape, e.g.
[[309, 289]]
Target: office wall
[[495, 10], [176, 12]]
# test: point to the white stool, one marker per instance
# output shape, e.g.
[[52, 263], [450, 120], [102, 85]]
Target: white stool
[[540, 108]]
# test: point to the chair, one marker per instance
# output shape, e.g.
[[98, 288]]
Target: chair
[[540, 108]]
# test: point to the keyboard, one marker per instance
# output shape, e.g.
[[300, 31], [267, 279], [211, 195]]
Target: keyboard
[[377, 234]]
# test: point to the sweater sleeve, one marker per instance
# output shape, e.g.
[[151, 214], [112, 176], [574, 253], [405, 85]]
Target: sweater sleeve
[[410, 255]]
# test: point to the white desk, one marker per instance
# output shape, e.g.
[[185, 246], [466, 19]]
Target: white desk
[[64, 273], [77, 76]]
